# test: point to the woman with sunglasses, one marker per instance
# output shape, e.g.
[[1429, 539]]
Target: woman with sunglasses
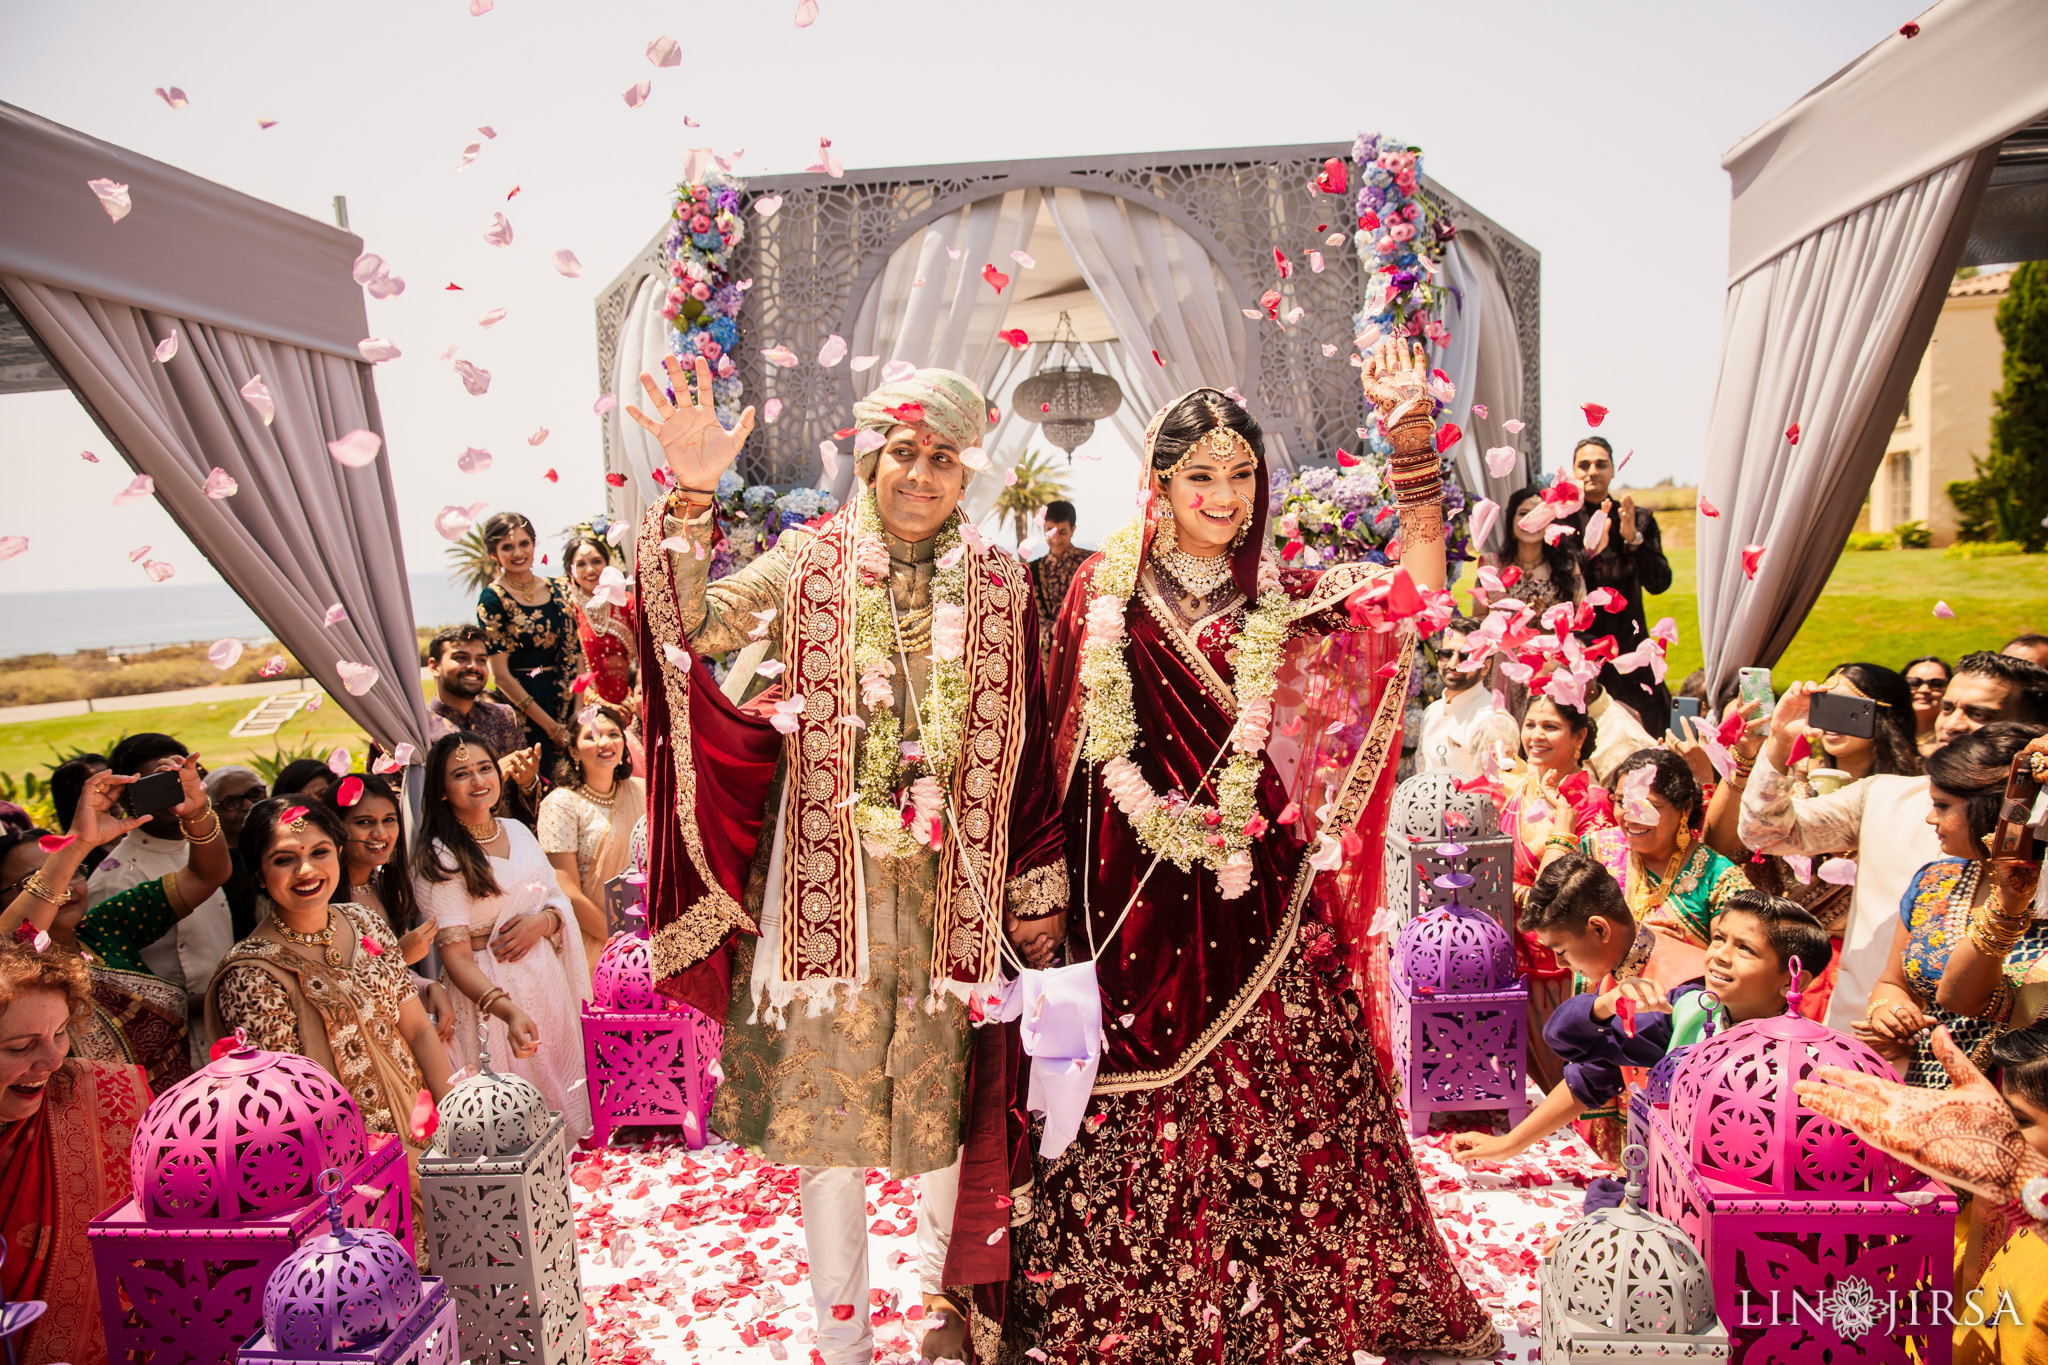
[[1927, 678]]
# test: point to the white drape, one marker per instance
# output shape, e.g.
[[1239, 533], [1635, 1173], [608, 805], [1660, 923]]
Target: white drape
[[643, 341], [1164, 295], [1827, 335], [1484, 361]]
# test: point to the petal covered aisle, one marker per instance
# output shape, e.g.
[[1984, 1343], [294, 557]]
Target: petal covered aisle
[[699, 1256]]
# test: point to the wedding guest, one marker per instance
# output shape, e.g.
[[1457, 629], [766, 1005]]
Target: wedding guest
[[459, 661], [137, 1017], [378, 874], [529, 625], [2031, 647], [1621, 734], [606, 616], [67, 780], [235, 790], [1544, 575], [303, 777], [1964, 944], [500, 920], [1629, 558], [1461, 727], [186, 954], [66, 1126], [1052, 572], [322, 978], [1883, 820], [587, 821], [1926, 677]]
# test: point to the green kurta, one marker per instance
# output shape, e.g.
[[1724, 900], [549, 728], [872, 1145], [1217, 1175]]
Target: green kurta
[[879, 1083]]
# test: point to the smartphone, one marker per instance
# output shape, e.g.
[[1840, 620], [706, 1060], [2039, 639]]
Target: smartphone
[[1841, 713], [1754, 684], [1682, 710], [152, 794]]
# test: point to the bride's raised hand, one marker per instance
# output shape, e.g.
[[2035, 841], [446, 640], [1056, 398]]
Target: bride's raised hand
[[697, 448], [1396, 378]]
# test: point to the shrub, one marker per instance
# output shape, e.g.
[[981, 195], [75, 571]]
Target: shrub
[[1870, 540], [1983, 549], [2010, 493], [1913, 535]]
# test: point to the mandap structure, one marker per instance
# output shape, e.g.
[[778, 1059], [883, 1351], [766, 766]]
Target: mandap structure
[[1154, 260]]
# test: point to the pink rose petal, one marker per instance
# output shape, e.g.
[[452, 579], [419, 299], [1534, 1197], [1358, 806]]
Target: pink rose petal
[[376, 350], [767, 204], [493, 317], [355, 678], [806, 13], [567, 264], [336, 614], [173, 97], [861, 364], [404, 752], [481, 7], [780, 356], [88, 457], [113, 197], [473, 460], [453, 522], [224, 654], [257, 394], [1513, 424], [157, 570], [339, 762], [665, 51], [499, 233], [166, 349], [604, 404], [139, 487], [1501, 459], [1837, 871], [636, 94], [137, 553], [771, 410], [10, 546], [896, 371], [469, 154], [357, 448], [474, 378], [538, 436], [1944, 611], [833, 351]]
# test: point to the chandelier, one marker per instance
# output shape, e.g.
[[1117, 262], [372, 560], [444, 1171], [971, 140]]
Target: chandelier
[[1066, 399]]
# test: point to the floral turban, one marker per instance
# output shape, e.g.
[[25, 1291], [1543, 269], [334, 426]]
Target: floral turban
[[953, 408]]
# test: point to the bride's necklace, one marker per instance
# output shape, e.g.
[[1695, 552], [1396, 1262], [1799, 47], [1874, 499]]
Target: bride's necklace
[[323, 939], [1197, 575]]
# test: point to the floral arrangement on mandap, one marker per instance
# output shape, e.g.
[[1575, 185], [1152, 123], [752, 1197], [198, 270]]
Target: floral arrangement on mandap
[[704, 300], [754, 518]]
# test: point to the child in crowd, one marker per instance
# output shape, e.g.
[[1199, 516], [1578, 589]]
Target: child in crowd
[[1630, 1018]]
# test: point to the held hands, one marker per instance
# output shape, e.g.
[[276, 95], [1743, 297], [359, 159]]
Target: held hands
[[518, 935], [1036, 941], [698, 449], [1396, 377], [1965, 1135]]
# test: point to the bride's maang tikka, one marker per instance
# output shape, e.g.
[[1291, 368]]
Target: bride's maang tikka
[[1220, 441]]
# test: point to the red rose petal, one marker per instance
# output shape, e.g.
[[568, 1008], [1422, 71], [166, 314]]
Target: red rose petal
[[52, 842]]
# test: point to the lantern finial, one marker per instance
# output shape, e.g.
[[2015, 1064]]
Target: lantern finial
[[330, 1185], [1634, 1157], [1792, 995]]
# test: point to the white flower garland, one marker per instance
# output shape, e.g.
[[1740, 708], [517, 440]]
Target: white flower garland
[[1174, 827], [897, 796]]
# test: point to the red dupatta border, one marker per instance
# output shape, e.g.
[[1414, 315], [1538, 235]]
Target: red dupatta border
[[1363, 782]]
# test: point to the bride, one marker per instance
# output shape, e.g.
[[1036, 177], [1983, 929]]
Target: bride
[[1240, 1187]]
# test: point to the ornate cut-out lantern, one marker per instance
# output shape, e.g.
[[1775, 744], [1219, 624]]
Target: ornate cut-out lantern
[[499, 1222], [1461, 1013], [1066, 399], [648, 1060], [625, 905], [1432, 811], [1623, 1284], [224, 1167], [1796, 1216], [352, 1295], [1655, 1091]]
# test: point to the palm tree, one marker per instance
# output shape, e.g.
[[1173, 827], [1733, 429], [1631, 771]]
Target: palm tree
[[470, 564], [1037, 484]]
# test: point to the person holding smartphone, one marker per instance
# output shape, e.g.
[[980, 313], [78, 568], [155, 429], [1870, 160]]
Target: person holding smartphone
[[187, 954]]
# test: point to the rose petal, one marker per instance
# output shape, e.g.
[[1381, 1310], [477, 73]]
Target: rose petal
[[1501, 459], [1595, 414], [473, 461], [167, 348], [1944, 611], [635, 94], [474, 378], [113, 197], [604, 404], [224, 654], [537, 437], [896, 371], [996, 278], [493, 317], [10, 546], [567, 264], [257, 393], [336, 614], [356, 449], [173, 97], [356, 678], [665, 51], [139, 487], [376, 350], [860, 364]]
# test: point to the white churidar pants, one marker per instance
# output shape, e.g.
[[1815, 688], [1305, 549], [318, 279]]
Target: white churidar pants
[[833, 1200]]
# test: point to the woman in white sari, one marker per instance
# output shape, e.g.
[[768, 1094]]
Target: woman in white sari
[[586, 823], [504, 928]]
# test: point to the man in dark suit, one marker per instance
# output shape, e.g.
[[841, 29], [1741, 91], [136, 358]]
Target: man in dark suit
[[1630, 560]]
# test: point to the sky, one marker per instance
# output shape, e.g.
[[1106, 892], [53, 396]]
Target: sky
[[1593, 131]]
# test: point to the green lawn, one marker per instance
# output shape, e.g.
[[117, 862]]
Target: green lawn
[[203, 726], [1878, 607]]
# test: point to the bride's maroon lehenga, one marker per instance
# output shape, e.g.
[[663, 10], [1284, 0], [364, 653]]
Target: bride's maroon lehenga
[[1242, 1180]]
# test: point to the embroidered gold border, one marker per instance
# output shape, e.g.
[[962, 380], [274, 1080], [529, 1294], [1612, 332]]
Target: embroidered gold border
[[1381, 743], [1184, 644], [1335, 584], [820, 920], [704, 925], [985, 775], [1041, 891]]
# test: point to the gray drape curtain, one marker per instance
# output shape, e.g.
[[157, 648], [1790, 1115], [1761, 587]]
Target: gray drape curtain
[[304, 531], [1484, 361], [1827, 335]]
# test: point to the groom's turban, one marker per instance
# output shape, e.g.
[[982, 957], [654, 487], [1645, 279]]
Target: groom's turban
[[952, 407]]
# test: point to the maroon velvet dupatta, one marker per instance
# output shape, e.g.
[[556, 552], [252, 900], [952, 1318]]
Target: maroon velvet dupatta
[[1187, 963]]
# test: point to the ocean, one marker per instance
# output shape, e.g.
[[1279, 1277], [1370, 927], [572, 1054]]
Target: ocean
[[173, 613]]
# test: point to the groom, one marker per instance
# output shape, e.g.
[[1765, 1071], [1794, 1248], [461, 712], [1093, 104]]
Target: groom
[[852, 848]]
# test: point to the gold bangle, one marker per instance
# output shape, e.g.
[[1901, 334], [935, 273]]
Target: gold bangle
[[1563, 841], [43, 891], [489, 998], [194, 839]]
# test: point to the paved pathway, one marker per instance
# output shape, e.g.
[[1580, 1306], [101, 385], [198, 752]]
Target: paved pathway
[[15, 715]]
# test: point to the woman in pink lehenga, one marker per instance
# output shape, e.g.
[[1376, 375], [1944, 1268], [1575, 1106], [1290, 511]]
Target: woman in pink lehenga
[[1240, 1187]]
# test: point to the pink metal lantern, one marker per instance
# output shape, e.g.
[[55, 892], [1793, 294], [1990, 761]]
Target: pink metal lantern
[[1803, 1226], [1461, 1014], [352, 1297], [224, 1167], [241, 1138], [625, 976]]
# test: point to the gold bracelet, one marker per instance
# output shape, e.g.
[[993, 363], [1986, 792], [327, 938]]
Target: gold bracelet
[[194, 839], [42, 890], [489, 998], [1995, 936], [1563, 841]]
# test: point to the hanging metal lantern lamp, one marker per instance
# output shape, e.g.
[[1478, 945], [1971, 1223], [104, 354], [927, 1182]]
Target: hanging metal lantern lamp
[[1067, 398]]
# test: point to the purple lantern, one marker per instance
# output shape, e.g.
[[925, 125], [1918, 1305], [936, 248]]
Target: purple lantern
[[224, 1173], [242, 1137], [624, 978], [1790, 1209], [1656, 1087], [1461, 1013], [352, 1295]]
